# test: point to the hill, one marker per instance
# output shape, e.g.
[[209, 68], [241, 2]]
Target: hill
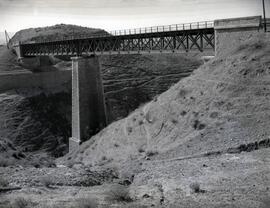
[[56, 32], [27, 131], [229, 92], [205, 120]]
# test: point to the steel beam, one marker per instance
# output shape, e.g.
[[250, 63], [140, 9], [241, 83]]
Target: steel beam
[[167, 41]]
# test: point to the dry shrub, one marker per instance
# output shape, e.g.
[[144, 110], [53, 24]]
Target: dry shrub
[[141, 150], [3, 182], [21, 203], [5, 205], [134, 206], [195, 187], [182, 93], [141, 122], [129, 129], [119, 193], [151, 153], [47, 181], [6, 162], [86, 202], [174, 121], [43, 162], [70, 163]]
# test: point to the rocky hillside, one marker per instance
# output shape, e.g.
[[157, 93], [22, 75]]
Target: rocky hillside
[[34, 116], [132, 80], [32, 123], [230, 92], [212, 116]]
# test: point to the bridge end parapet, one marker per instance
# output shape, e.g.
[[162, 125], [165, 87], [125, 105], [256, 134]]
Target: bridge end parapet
[[229, 33]]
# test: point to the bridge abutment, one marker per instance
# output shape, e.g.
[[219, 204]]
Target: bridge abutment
[[18, 50], [230, 33], [88, 105]]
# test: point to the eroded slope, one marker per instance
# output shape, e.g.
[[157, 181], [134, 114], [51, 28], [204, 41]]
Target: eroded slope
[[225, 103]]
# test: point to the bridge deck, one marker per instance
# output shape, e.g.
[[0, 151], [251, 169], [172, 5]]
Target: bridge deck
[[162, 39]]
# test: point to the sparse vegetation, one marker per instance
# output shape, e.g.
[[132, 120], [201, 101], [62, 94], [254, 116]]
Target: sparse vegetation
[[183, 113], [195, 187], [174, 121], [47, 181], [35, 164], [5, 162], [21, 203], [119, 193], [70, 163], [141, 122], [86, 202], [129, 129], [197, 125], [141, 150], [151, 153], [214, 115], [3, 182], [104, 158], [182, 93]]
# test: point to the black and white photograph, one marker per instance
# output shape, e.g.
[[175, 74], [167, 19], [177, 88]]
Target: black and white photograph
[[134, 103]]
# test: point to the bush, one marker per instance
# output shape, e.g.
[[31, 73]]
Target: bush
[[47, 181], [21, 203], [141, 150], [5, 162], [119, 193], [5, 205], [174, 121], [195, 187], [86, 203], [3, 182], [151, 153]]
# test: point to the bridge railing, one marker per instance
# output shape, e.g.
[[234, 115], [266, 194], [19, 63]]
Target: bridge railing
[[166, 28]]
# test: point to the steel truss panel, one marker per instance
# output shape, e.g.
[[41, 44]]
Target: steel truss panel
[[162, 42]]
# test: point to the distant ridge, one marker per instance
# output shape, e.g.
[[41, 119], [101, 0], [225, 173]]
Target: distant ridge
[[56, 32], [3, 39]]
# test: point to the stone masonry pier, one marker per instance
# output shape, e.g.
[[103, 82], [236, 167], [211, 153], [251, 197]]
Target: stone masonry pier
[[88, 105]]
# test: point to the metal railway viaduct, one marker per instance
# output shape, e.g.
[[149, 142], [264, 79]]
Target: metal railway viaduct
[[88, 106]]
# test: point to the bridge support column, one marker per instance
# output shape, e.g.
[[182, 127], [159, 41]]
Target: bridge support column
[[18, 49], [88, 106]]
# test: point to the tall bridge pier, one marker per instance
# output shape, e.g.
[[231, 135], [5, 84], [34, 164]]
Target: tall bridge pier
[[88, 106]]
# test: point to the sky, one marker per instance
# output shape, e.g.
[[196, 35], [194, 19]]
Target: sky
[[120, 14]]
